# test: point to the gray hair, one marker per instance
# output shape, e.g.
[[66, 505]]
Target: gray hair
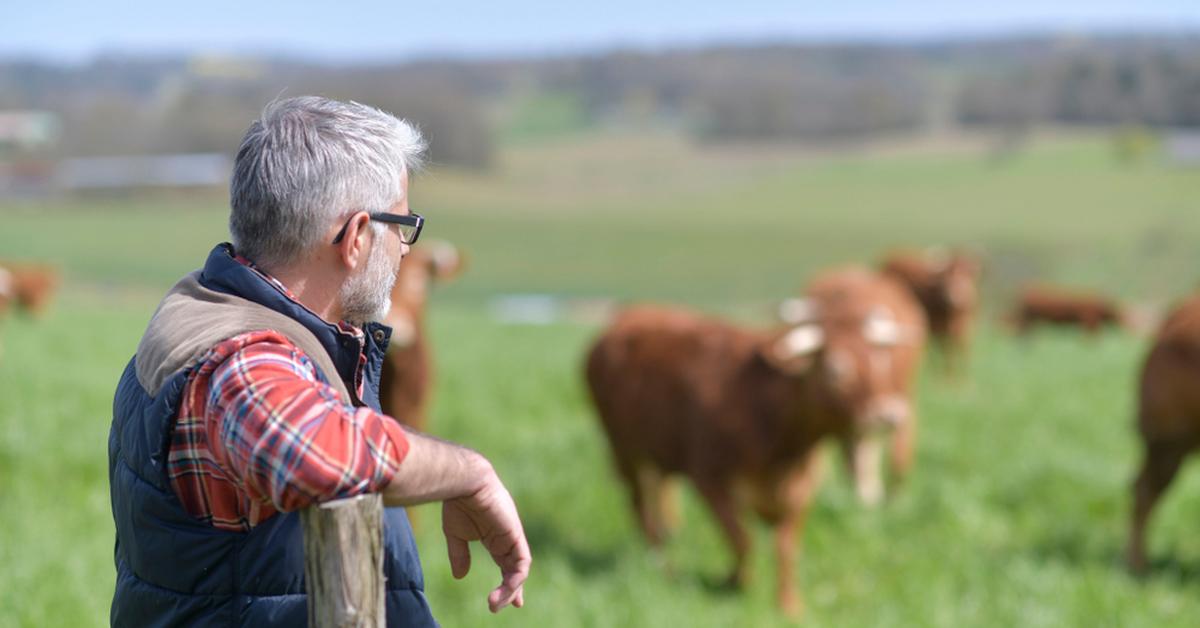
[[308, 160]]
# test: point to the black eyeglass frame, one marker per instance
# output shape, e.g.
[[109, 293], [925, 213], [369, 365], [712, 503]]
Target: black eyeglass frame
[[410, 220]]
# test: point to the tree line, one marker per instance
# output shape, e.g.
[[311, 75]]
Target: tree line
[[747, 93]]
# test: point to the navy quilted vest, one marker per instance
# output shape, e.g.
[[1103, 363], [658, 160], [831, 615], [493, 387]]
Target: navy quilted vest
[[174, 570]]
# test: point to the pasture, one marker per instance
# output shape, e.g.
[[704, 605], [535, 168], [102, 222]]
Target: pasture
[[1017, 511]]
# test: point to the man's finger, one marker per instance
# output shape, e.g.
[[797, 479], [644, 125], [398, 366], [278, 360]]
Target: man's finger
[[460, 556], [500, 597], [510, 588], [514, 579]]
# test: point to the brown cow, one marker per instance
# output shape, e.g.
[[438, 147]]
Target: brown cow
[[6, 290], [32, 286], [1168, 415], [944, 283], [6, 296], [844, 300], [740, 412], [407, 368], [1058, 306]]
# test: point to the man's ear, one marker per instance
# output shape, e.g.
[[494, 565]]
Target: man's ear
[[352, 250]]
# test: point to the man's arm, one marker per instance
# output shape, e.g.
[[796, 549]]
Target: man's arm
[[288, 438], [476, 507], [435, 470]]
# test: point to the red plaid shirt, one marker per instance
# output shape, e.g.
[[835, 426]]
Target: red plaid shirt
[[258, 433]]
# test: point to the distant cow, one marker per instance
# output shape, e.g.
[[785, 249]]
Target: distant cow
[[407, 366], [944, 282], [741, 412], [6, 290], [1168, 416], [6, 296], [32, 286], [1057, 306]]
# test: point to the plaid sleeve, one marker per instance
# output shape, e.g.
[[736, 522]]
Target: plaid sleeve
[[286, 438]]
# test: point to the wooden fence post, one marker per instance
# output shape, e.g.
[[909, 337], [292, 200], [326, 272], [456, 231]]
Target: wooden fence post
[[343, 563]]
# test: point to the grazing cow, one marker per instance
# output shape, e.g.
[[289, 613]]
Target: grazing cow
[[32, 286], [1168, 415], [6, 295], [843, 301], [407, 367], [1057, 306], [6, 290], [740, 412], [945, 285]]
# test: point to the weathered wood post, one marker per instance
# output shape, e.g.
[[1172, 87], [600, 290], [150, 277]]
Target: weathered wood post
[[343, 563]]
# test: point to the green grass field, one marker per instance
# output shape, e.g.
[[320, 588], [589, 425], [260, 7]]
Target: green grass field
[[1016, 514]]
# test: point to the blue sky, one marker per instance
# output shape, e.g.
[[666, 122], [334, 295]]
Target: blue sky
[[352, 30]]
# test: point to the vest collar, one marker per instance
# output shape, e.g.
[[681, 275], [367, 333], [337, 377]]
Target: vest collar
[[223, 273]]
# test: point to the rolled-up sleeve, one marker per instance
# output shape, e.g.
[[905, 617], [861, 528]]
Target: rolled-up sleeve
[[285, 437]]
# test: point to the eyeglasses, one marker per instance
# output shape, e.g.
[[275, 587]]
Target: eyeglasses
[[410, 225]]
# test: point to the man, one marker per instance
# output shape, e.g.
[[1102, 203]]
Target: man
[[254, 393]]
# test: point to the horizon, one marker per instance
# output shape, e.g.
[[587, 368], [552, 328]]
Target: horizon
[[596, 50], [63, 33]]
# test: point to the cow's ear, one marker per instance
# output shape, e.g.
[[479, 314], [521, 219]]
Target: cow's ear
[[796, 311], [795, 349], [445, 261], [938, 259], [972, 259]]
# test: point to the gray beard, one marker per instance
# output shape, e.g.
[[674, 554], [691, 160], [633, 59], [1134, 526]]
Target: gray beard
[[367, 296]]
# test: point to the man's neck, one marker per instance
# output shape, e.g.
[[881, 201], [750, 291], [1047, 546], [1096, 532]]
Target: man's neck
[[312, 289]]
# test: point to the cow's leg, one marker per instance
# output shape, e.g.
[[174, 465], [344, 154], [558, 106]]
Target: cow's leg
[[720, 499], [638, 476], [904, 442], [648, 498], [648, 486], [863, 455], [797, 496], [958, 350], [1161, 462], [949, 350], [787, 594], [944, 353], [1022, 323], [668, 506]]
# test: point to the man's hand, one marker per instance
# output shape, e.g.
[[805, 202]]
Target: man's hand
[[476, 507], [490, 517]]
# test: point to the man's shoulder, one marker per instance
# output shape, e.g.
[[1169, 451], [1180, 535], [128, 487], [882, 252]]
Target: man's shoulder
[[263, 347]]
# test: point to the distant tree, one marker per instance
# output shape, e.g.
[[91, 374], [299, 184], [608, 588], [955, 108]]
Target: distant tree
[[1096, 83], [106, 124], [442, 106], [123, 104], [204, 117]]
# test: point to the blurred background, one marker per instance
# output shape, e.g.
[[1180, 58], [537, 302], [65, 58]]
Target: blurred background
[[715, 155]]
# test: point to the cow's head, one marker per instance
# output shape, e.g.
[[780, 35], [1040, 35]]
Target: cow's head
[[852, 362], [435, 261], [957, 275], [33, 286]]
